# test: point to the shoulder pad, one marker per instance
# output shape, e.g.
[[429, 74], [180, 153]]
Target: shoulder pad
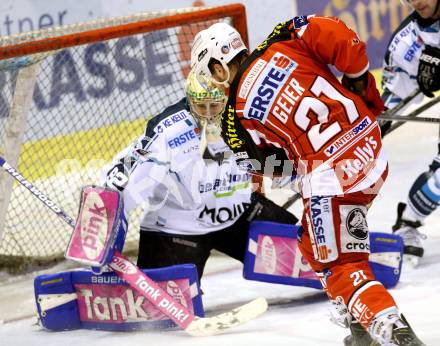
[[165, 121], [173, 123]]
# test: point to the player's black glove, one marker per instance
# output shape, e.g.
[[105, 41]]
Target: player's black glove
[[428, 75], [365, 87], [384, 125]]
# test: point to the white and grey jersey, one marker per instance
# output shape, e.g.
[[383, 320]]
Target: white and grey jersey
[[182, 192], [402, 57]]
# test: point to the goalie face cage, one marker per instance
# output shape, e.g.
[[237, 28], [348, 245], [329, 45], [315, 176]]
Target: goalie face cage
[[70, 99]]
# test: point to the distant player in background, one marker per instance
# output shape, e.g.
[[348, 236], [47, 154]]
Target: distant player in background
[[412, 61], [195, 197], [283, 99]]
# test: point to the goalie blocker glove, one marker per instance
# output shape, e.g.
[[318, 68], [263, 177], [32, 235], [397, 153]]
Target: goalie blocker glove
[[428, 75]]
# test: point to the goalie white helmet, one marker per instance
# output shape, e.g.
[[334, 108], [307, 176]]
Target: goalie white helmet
[[220, 42], [207, 101]]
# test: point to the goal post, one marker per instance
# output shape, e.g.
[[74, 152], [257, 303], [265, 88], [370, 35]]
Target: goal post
[[74, 96]]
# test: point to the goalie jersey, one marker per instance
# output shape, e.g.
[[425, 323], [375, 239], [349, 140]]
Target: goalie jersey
[[402, 57], [181, 190]]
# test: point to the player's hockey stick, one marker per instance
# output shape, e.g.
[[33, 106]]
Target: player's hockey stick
[[405, 118], [414, 113], [403, 103], [193, 325], [291, 200]]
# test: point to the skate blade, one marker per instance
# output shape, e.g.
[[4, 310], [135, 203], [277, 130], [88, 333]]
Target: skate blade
[[410, 261]]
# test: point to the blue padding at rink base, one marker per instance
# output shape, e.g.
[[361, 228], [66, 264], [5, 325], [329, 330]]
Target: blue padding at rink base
[[67, 316], [379, 243]]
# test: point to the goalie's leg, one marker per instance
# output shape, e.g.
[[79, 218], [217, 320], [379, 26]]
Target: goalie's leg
[[160, 249], [423, 199]]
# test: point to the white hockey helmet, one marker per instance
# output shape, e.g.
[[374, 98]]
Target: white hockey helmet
[[206, 101], [220, 42]]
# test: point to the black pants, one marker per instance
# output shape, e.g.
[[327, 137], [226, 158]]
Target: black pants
[[159, 249]]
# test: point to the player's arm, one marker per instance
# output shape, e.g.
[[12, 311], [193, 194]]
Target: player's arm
[[332, 42], [116, 174], [137, 170]]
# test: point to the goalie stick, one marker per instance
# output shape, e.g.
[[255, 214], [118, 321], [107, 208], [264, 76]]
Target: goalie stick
[[193, 325]]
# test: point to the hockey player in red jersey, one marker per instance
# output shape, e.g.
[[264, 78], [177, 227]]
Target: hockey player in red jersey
[[285, 101]]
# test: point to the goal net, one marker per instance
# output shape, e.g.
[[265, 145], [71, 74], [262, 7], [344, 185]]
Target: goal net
[[72, 97]]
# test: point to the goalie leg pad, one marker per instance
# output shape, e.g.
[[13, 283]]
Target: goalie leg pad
[[386, 257], [273, 256], [100, 228], [80, 299]]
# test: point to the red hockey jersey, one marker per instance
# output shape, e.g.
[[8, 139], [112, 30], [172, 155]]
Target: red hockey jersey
[[286, 96]]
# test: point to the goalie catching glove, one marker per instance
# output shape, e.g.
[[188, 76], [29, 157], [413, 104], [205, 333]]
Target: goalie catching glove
[[428, 75]]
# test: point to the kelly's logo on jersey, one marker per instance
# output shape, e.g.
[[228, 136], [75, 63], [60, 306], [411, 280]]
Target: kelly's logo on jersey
[[267, 86], [365, 156]]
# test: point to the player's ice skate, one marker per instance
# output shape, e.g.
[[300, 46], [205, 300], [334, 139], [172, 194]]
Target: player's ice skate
[[412, 237], [387, 332]]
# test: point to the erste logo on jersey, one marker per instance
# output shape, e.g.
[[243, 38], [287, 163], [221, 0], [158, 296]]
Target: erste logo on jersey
[[185, 137], [266, 87]]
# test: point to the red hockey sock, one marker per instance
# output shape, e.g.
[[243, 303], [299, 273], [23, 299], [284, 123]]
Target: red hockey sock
[[362, 294]]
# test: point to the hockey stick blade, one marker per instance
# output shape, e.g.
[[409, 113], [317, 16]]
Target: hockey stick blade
[[196, 326], [207, 326], [291, 200]]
